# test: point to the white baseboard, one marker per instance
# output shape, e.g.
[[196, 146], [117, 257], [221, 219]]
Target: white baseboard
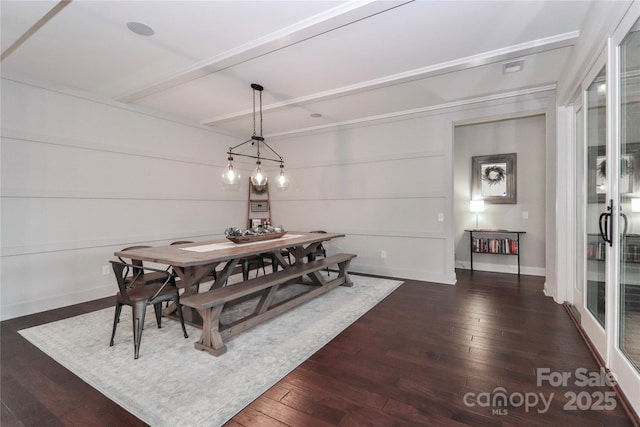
[[501, 268], [56, 301], [427, 276]]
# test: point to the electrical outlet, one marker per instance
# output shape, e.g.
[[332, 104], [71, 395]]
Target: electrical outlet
[[440, 217], [105, 270], [525, 215], [383, 254]]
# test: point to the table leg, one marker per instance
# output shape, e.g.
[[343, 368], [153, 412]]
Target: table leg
[[344, 272], [300, 252], [210, 339], [518, 240], [223, 276], [471, 249], [190, 278]]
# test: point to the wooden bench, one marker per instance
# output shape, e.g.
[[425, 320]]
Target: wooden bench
[[210, 304]]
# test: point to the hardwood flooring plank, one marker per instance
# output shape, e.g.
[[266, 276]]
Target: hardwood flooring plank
[[249, 417], [409, 361], [286, 414], [8, 418], [306, 379], [317, 405], [428, 413]]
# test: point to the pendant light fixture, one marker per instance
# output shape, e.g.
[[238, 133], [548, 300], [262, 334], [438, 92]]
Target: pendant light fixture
[[259, 177]]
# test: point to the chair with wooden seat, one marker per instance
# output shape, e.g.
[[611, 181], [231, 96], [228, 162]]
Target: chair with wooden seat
[[138, 295]]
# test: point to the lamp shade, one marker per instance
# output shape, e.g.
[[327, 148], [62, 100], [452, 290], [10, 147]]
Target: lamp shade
[[283, 181], [230, 176], [476, 206], [258, 177]]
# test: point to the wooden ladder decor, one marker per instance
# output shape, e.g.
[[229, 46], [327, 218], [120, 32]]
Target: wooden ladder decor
[[259, 206]]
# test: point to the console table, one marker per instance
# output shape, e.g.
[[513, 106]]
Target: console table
[[495, 246]]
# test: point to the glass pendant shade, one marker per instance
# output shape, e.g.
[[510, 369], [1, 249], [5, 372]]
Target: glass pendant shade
[[283, 181], [230, 177], [258, 177]]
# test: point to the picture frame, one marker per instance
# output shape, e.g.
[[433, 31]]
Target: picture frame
[[493, 178], [597, 170]]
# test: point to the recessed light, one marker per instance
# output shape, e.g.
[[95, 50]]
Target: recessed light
[[140, 28], [315, 115], [512, 67]]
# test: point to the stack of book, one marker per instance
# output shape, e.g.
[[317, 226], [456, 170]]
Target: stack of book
[[495, 246]]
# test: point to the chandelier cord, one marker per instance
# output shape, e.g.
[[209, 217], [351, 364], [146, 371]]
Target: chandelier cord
[[254, 122], [256, 139], [254, 112], [260, 113]]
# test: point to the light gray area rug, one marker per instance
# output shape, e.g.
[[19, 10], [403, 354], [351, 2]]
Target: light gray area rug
[[173, 384]]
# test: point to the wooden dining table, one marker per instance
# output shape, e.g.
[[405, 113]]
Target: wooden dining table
[[193, 262]]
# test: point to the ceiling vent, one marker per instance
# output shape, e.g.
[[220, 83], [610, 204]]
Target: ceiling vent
[[513, 66]]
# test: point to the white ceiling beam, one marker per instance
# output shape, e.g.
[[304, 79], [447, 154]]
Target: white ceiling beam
[[498, 55], [314, 26], [35, 27]]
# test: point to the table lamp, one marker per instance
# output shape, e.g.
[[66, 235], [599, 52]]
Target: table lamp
[[476, 206]]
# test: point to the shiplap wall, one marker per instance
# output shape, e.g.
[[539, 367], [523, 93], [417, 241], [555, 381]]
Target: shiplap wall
[[386, 182], [382, 184], [82, 178]]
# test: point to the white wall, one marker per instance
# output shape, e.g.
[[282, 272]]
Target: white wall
[[82, 178], [384, 182], [525, 136]]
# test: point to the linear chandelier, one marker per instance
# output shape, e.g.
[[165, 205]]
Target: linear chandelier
[[258, 177]]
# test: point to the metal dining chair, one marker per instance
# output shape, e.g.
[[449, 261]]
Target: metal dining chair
[[138, 297], [137, 267]]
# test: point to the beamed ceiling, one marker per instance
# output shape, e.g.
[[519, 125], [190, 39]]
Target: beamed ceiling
[[346, 61]]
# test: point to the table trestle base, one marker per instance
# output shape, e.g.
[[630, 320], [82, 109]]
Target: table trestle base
[[210, 304]]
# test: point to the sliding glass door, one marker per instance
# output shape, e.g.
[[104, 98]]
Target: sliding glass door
[[597, 202], [626, 339], [608, 131], [591, 139]]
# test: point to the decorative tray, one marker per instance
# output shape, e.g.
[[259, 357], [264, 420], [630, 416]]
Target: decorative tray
[[256, 237]]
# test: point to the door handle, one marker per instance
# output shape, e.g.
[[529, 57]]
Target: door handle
[[603, 222], [606, 226], [624, 224]]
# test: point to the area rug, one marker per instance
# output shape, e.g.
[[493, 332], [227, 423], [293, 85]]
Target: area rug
[[173, 384]]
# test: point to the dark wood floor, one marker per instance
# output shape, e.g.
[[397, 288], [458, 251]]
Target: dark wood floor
[[409, 361]]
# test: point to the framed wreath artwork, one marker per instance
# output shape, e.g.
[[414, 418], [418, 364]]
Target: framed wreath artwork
[[597, 172], [493, 178]]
